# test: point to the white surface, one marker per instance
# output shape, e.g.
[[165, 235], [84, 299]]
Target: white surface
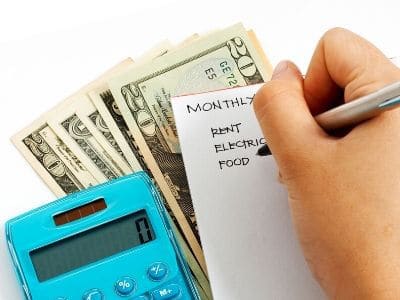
[[48, 49], [242, 211]]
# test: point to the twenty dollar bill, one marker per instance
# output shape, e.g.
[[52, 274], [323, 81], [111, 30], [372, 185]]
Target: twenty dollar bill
[[222, 59]]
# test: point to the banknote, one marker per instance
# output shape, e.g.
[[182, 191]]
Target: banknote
[[222, 59], [94, 122], [100, 160], [105, 104], [54, 162], [108, 109]]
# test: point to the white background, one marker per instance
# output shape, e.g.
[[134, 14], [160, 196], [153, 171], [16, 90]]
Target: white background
[[48, 49]]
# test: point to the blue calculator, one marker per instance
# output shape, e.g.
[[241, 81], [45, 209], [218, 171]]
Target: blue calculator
[[112, 241]]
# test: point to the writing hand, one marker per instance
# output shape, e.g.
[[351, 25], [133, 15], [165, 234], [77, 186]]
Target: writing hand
[[344, 192]]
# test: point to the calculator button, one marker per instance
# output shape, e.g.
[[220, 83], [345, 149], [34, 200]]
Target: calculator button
[[157, 271], [93, 294], [125, 286], [141, 298], [167, 292]]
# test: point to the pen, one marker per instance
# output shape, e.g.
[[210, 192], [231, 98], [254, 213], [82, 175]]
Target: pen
[[356, 111]]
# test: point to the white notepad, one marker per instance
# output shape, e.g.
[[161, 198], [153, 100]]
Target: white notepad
[[242, 211]]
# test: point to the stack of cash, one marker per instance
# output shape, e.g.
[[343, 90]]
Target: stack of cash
[[123, 122]]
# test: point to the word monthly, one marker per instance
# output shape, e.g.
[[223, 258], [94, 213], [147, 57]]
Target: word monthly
[[220, 104]]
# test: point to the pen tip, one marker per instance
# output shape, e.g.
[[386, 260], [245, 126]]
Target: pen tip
[[263, 151]]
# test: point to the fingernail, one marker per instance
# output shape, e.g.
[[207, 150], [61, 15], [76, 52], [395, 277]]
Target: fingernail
[[280, 68]]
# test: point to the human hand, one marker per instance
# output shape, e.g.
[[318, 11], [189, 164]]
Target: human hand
[[344, 192]]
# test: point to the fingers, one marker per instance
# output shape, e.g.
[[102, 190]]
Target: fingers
[[284, 117], [344, 60]]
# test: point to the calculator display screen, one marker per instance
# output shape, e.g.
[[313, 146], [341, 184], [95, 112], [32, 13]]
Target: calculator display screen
[[92, 245]]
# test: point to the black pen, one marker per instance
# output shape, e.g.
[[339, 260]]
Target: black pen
[[355, 112]]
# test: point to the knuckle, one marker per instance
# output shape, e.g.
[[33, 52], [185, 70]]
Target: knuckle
[[336, 33]]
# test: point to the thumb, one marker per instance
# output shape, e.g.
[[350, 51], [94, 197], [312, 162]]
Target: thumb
[[285, 119]]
